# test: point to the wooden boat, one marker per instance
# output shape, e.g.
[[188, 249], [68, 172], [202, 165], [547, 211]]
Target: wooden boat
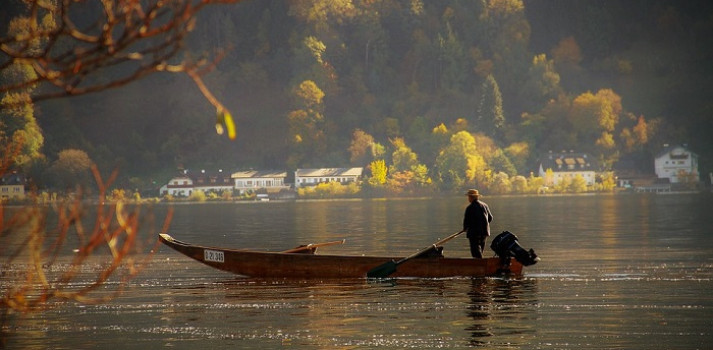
[[298, 264]]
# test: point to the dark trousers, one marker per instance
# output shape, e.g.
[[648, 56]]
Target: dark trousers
[[477, 245]]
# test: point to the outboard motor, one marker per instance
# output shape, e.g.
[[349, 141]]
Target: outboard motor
[[505, 245]]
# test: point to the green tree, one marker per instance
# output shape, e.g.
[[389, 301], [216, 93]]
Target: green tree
[[542, 85], [419, 136], [505, 33], [550, 128], [377, 150], [391, 127], [518, 153], [440, 136], [452, 56], [406, 171], [459, 163], [490, 117], [403, 158], [311, 61], [501, 163], [420, 175]]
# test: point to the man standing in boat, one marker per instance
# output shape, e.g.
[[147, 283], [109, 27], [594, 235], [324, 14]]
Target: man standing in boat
[[476, 223]]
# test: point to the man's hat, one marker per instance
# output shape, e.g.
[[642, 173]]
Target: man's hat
[[472, 192]]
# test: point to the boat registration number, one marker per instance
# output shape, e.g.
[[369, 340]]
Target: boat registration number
[[213, 255]]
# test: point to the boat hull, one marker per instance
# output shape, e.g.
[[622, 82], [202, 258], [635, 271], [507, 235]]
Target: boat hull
[[295, 265]]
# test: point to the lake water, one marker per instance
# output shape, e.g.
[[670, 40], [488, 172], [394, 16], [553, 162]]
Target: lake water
[[617, 272]]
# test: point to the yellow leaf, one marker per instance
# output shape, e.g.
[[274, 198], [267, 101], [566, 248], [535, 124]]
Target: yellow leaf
[[230, 125], [224, 121]]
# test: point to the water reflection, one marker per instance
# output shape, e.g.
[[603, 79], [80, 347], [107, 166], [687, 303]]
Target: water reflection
[[502, 310], [624, 272]]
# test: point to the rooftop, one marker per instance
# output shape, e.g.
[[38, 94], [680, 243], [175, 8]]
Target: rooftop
[[569, 160], [322, 172]]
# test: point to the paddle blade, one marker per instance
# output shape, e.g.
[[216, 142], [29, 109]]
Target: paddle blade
[[383, 270]]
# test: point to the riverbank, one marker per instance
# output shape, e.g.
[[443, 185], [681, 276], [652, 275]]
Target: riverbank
[[291, 195]]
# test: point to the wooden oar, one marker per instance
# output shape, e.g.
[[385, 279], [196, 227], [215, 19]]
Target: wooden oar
[[312, 246], [389, 267]]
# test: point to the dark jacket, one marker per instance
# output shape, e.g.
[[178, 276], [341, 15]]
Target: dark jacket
[[477, 219]]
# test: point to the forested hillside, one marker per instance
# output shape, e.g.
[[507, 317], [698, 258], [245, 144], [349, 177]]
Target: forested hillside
[[443, 91]]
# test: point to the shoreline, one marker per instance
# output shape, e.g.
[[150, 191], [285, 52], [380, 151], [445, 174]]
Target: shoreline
[[183, 201]]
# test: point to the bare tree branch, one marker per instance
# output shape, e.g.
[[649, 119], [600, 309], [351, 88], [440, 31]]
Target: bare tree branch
[[32, 283], [124, 41]]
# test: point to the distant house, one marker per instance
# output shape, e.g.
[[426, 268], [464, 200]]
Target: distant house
[[674, 161], [13, 185], [184, 184], [217, 182], [311, 177], [567, 165], [253, 180], [178, 186]]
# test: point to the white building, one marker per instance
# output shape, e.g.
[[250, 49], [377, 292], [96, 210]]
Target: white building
[[567, 165], [207, 182], [178, 186], [674, 161], [185, 184], [311, 177], [12, 186], [252, 180]]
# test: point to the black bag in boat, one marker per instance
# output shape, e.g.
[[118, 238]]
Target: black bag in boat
[[506, 245]]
